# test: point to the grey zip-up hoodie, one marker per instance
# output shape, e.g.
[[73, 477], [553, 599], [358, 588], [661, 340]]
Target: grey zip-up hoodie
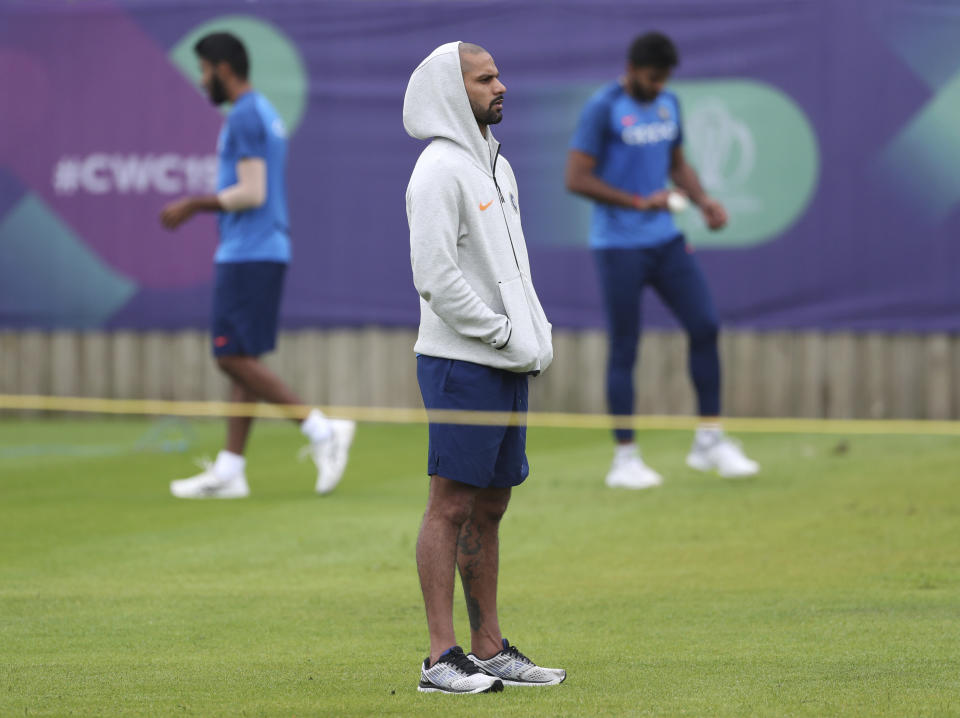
[[470, 264]]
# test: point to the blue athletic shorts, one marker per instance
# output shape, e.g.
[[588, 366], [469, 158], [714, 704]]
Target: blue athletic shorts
[[482, 456], [246, 307]]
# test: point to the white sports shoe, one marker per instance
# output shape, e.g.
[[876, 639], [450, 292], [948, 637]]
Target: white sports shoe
[[330, 455], [723, 456], [207, 485], [515, 669], [455, 673], [632, 473]]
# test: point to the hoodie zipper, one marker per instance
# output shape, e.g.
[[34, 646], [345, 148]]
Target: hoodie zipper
[[506, 222], [503, 212]]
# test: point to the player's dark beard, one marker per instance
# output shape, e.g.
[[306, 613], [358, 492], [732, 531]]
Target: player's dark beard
[[636, 89], [488, 115], [217, 92]]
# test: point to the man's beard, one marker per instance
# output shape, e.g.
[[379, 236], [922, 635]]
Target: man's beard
[[217, 92], [639, 93], [487, 115]]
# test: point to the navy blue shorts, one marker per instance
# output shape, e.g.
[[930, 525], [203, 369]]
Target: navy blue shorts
[[246, 307], [482, 456]]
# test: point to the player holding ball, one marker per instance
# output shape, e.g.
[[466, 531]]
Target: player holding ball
[[628, 144]]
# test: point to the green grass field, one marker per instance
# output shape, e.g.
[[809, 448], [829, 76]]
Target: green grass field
[[830, 585]]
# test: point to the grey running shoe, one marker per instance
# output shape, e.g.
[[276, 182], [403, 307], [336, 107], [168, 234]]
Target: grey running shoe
[[515, 669], [455, 673]]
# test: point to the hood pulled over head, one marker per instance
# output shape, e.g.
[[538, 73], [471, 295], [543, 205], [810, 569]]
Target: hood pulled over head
[[436, 104]]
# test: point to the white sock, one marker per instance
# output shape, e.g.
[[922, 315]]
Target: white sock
[[708, 434], [624, 452], [228, 465], [316, 427]]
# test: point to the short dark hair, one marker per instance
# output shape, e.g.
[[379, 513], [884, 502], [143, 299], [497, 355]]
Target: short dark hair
[[220, 47], [653, 49]]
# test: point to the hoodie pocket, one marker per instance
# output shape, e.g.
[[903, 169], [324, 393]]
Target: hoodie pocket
[[523, 347], [543, 329]]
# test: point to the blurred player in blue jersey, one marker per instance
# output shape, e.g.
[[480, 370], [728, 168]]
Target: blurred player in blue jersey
[[251, 262], [628, 144]]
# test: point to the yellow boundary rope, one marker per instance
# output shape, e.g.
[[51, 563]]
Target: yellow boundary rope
[[387, 415]]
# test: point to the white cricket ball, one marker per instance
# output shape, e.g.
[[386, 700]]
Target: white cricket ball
[[677, 202]]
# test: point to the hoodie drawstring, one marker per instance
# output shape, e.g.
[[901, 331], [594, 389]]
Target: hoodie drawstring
[[495, 183]]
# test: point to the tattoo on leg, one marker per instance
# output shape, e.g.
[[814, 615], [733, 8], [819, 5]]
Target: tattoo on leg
[[467, 576], [469, 544]]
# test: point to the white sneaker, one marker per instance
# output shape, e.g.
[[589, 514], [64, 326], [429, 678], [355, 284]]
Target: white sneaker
[[723, 456], [515, 669], [207, 485], [632, 473], [455, 673], [330, 455]]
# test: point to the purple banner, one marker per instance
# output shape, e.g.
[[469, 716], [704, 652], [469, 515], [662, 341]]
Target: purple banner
[[828, 129]]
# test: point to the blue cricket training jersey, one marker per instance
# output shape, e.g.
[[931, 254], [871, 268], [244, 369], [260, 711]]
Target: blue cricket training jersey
[[633, 144], [254, 129]]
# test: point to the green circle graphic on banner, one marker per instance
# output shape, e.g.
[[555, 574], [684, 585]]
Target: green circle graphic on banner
[[276, 68], [754, 151]]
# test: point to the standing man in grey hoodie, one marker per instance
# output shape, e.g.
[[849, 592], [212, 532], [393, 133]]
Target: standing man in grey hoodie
[[482, 332]]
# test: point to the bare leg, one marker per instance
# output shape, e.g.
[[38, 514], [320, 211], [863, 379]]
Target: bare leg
[[478, 558], [448, 508], [258, 380], [238, 427]]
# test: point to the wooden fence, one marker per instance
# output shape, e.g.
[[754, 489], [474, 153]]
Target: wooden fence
[[806, 374]]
